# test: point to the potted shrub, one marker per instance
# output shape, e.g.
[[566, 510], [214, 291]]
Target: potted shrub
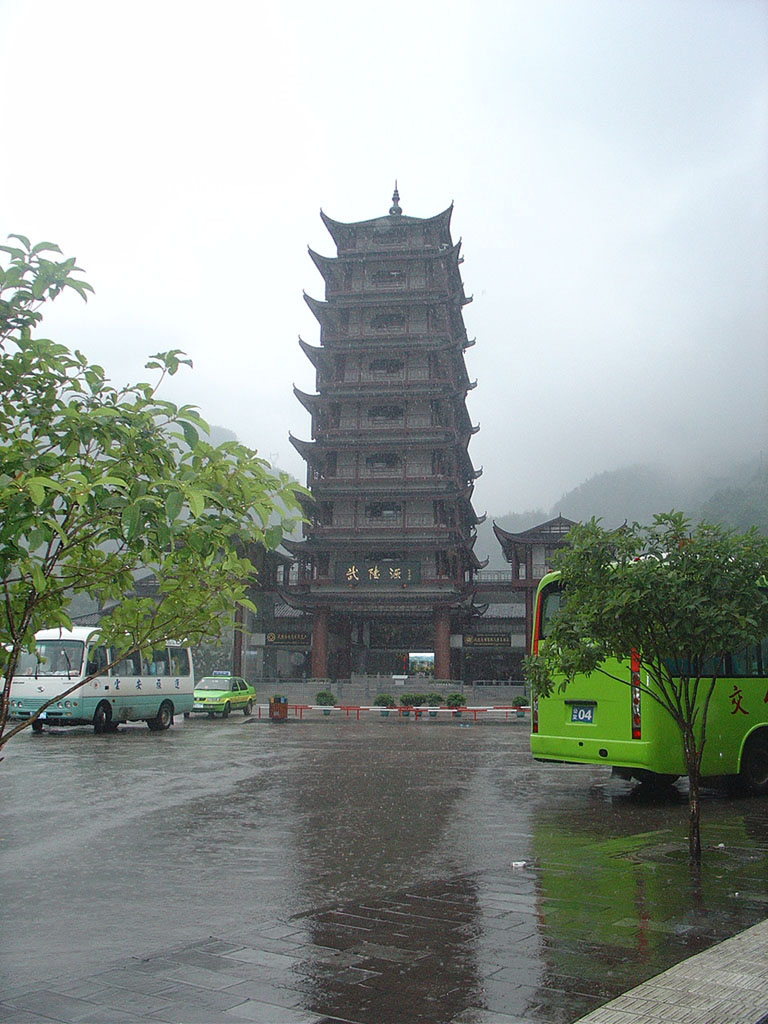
[[407, 700], [419, 700], [385, 701], [433, 699], [519, 702], [456, 701], [325, 700]]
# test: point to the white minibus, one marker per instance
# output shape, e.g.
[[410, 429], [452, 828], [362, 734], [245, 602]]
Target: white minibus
[[134, 689]]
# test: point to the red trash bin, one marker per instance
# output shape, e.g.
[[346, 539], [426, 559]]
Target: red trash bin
[[278, 709]]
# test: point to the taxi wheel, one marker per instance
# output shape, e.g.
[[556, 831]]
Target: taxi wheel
[[227, 709], [211, 714], [248, 708]]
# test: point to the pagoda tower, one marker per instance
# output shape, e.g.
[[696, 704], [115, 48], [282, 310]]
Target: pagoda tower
[[386, 566]]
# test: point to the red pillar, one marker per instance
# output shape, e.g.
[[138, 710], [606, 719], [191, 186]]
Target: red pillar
[[442, 644], [320, 644]]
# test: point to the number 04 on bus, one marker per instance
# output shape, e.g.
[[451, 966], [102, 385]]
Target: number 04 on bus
[[599, 721]]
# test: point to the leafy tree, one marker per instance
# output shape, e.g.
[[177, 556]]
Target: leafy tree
[[100, 483], [678, 598]]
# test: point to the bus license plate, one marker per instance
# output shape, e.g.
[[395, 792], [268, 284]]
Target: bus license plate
[[583, 713]]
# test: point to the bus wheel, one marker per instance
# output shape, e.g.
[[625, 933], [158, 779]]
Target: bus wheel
[[164, 719], [102, 716], [654, 782], [37, 726], [753, 773], [227, 709], [248, 708]]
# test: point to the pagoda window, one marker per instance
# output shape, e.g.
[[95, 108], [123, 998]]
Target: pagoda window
[[382, 463], [392, 277], [439, 418], [389, 235], [326, 513], [334, 415], [383, 510], [388, 321], [331, 464], [435, 366], [386, 367], [385, 413], [339, 364]]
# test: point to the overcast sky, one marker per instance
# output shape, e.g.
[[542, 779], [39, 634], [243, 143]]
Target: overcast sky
[[608, 161]]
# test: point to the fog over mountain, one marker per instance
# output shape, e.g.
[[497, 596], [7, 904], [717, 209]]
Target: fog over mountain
[[736, 496]]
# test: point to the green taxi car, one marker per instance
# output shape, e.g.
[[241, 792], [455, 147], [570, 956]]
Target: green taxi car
[[221, 693]]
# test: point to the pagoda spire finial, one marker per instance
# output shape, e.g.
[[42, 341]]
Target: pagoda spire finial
[[394, 209]]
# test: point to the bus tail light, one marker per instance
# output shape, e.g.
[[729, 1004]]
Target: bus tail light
[[534, 714], [634, 689]]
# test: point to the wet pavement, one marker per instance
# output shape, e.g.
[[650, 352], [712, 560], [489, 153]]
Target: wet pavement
[[334, 870]]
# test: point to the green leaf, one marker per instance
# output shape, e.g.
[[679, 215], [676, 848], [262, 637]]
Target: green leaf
[[173, 504], [191, 436], [38, 579], [130, 519], [196, 502], [36, 491]]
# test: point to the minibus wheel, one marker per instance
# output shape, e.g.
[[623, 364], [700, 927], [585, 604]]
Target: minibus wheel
[[753, 773], [163, 719], [102, 716], [37, 725]]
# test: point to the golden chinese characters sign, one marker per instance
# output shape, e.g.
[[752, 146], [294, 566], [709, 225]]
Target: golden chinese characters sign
[[364, 572]]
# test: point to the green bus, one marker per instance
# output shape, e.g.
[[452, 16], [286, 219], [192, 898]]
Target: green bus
[[597, 720]]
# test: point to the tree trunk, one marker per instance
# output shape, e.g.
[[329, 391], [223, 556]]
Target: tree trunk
[[692, 765], [694, 817]]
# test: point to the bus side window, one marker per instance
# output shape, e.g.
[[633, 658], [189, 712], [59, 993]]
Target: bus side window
[[157, 665], [179, 659], [129, 666], [97, 660], [744, 662], [551, 600]]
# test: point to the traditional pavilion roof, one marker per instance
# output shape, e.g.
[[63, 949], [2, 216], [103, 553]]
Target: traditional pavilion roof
[[551, 532], [322, 311], [341, 230], [310, 402], [315, 353], [306, 449], [327, 264]]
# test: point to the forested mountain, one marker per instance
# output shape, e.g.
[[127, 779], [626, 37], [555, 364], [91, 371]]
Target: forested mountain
[[738, 498]]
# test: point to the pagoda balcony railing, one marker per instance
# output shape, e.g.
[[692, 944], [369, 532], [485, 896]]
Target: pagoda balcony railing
[[367, 332], [354, 436], [427, 339], [404, 423], [420, 379], [412, 475], [411, 521], [379, 376]]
